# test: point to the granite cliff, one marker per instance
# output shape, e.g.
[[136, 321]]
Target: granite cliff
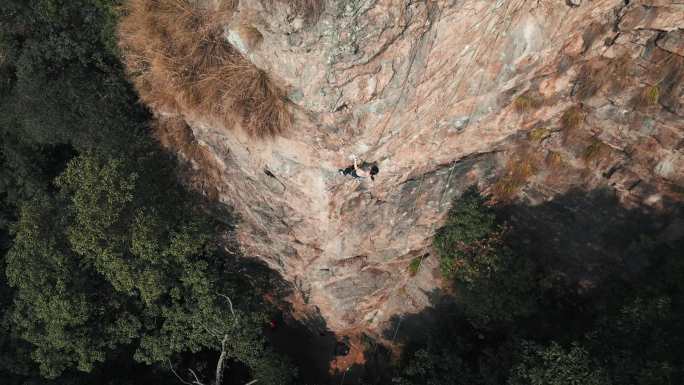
[[528, 100]]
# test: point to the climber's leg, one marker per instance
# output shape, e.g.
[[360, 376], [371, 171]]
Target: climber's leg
[[348, 171]]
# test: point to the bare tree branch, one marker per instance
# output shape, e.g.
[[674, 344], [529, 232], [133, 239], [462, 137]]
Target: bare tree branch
[[220, 365], [177, 376], [221, 361], [197, 381], [252, 382], [230, 303]]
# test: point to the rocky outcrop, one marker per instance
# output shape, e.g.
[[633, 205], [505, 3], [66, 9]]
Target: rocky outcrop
[[526, 99]]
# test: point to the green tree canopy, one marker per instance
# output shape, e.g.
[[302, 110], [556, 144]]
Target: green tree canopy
[[108, 263], [494, 283], [555, 365]]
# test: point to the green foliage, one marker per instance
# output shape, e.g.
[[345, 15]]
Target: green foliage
[[627, 331], [495, 285], [414, 266], [641, 337], [554, 365], [440, 367], [469, 223], [63, 82], [108, 257], [50, 311], [508, 293], [95, 268]]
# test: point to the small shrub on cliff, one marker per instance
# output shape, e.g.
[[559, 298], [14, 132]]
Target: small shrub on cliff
[[414, 266]]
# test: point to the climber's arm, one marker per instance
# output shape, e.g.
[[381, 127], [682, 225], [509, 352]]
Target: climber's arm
[[359, 171]]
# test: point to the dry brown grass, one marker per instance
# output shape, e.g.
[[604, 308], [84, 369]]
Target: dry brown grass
[[595, 151], [554, 161], [174, 134], [610, 75], [572, 118], [649, 96], [526, 102], [518, 171], [179, 60], [538, 134]]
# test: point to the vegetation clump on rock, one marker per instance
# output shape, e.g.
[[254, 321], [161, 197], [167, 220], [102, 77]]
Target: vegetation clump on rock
[[181, 63]]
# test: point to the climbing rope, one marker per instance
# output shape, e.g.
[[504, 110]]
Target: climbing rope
[[471, 62]]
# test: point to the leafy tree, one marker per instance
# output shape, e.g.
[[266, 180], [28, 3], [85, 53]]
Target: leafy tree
[[469, 224], [426, 367], [62, 80], [640, 337], [495, 284], [555, 365], [109, 258], [109, 264]]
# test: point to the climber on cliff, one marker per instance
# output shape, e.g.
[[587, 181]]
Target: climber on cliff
[[366, 170]]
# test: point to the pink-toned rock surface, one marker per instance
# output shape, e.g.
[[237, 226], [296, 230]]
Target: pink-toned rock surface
[[428, 91]]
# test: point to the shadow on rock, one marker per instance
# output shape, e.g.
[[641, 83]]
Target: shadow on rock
[[585, 251]]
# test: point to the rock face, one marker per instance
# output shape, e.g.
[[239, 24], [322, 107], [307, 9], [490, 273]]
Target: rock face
[[525, 99]]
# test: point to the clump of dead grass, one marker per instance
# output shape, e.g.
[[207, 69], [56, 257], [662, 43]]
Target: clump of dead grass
[[517, 172], [538, 134], [650, 96], [595, 151], [554, 160], [572, 118], [612, 75], [180, 62], [199, 167], [526, 102], [174, 134]]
